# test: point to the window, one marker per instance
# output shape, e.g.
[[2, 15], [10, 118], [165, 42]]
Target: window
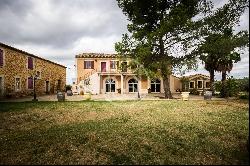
[[110, 85], [38, 74], [112, 64], [155, 85], [191, 85], [30, 63], [133, 85], [30, 83], [17, 83], [200, 84], [1, 58], [207, 84], [124, 66], [88, 64]]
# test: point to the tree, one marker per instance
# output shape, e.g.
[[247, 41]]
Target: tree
[[219, 51], [160, 31]]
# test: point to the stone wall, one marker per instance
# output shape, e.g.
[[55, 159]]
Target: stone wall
[[16, 65]]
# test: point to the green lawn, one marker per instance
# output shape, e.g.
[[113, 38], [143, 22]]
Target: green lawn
[[128, 132]]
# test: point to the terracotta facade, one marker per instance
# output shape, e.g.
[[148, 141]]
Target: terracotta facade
[[102, 76]]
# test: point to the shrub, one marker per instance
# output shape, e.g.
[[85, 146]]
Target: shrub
[[194, 91], [68, 87], [243, 95]]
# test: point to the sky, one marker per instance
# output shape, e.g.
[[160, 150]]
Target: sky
[[58, 30]]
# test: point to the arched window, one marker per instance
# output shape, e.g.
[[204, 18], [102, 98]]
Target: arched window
[[156, 85], [110, 85], [133, 85]]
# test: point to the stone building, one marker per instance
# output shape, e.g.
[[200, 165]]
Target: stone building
[[19, 68]]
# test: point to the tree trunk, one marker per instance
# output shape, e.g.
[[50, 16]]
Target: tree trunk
[[211, 72], [166, 86], [223, 84]]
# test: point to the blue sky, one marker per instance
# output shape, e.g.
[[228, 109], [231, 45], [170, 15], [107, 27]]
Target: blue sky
[[60, 29]]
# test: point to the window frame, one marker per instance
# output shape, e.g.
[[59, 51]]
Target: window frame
[[155, 83], [85, 64], [190, 84], [135, 90], [18, 90], [198, 84], [32, 83], [114, 62], [33, 62]]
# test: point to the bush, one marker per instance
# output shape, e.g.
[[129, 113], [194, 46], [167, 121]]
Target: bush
[[243, 95], [194, 91], [68, 87]]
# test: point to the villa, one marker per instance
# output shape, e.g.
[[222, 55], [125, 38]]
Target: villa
[[102, 73]]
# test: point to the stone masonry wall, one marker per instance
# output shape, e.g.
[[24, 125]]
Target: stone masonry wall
[[16, 65]]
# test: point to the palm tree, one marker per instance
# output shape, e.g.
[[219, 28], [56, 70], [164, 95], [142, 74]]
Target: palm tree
[[228, 43]]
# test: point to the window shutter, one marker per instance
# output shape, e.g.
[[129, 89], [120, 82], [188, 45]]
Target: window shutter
[[84, 64], [92, 64], [30, 83], [1, 57], [30, 63]]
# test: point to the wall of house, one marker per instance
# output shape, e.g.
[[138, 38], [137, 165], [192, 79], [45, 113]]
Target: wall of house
[[81, 72], [15, 65]]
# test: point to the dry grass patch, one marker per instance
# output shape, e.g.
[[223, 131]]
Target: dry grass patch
[[124, 132]]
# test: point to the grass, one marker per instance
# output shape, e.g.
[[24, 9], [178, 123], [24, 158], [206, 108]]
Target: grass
[[124, 132]]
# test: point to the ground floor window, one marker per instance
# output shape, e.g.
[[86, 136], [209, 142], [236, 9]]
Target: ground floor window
[[18, 83], [191, 84], [200, 86], [156, 85], [133, 85], [110, 85]]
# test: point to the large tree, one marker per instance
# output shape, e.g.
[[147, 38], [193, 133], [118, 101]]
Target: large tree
[[219, 51], [161, 35]]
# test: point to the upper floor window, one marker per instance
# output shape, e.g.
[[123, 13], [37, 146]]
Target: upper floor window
[[1, 58], [113, 64], [38, 74], [88, 64], [124, 66], [30, 63]]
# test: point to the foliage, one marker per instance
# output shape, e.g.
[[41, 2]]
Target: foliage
[[185, 83], [161, 34], [234, 87], [68, 87], [194, 91], [221, 46], [244, 84]]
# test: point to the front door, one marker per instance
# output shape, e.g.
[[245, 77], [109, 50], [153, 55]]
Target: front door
[[103, 66], [47, 87]]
